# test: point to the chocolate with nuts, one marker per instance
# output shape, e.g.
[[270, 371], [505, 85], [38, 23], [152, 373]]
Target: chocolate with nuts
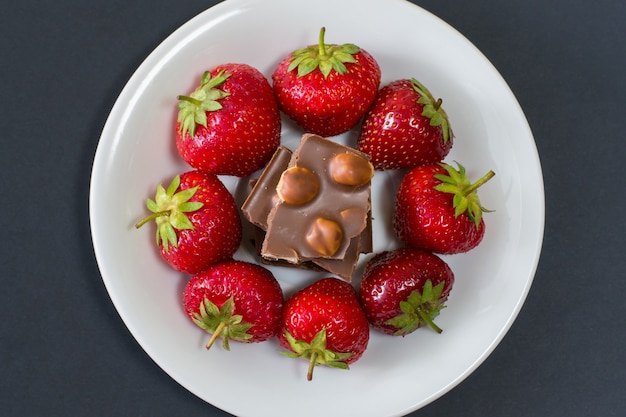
[[265, 195], [320, 220]]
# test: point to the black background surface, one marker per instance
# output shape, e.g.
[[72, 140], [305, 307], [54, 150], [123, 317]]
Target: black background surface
[[65, 351]]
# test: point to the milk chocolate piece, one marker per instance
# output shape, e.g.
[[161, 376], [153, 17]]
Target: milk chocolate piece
[[259, 236], [264, 197], [343, 267], [288, 225]]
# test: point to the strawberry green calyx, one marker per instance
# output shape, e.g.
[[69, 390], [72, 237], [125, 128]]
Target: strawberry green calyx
[[222, 322], [326, 57], [465, 197], [168, 210], [193, 108], [419, 309], [316, 353], [433, 110]]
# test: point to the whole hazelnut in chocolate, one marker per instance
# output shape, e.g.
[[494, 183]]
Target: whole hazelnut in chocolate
[[351, 169], [324, 236], [298, 185]]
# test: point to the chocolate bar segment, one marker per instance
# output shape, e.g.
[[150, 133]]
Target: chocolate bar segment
[[324, 226], [265, 197]]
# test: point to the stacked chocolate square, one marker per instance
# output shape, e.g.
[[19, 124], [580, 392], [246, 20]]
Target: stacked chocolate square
[[312, 207]]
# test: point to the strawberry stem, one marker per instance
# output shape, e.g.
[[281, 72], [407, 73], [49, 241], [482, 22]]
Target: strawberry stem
[[489, 175], [424, 316], [152, 217], [322, 47], [191, 100], [215, 335], [312, 362], [437, 104]]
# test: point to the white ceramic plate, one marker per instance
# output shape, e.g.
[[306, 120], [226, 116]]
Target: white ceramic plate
[[396, 375]]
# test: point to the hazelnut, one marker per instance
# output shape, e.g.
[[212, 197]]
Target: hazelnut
[[324, 236], [298, 185], [351, 169], [354, 220]]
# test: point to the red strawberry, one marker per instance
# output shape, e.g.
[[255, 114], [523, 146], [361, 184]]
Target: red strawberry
[[326, 88], [197, 221], [437, 209], [405, 127], [230, 125], [235, 300], [405, 289], [324, 323]]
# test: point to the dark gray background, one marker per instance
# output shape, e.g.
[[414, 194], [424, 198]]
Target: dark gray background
[[65, 351]]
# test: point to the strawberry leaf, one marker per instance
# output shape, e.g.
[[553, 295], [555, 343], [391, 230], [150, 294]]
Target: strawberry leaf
[[161, 195], [345, 54], [182, 196], [465, 198], [307, 66], [222, 322], [166, 235], [152, 205], [190, 206], [180, 221], [193, 108], [171, 189], [419, 309], [296, 58], [169, 209], [326, 66], [315, 352], [339, 67], [433, 110], [325, 57]]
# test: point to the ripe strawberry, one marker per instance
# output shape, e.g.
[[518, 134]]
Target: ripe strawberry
[[326, 88], [324, 323], [235, 300], [405, 127], [230, 125], [197, 221], [405, 289], [437, 209]]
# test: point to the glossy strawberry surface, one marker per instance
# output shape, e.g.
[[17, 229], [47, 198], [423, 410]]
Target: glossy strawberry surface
[[332, 103], [392, 278], [398, 130], [255, 295], [239, 131], [330, 304], [426, 218], [212, 230]]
